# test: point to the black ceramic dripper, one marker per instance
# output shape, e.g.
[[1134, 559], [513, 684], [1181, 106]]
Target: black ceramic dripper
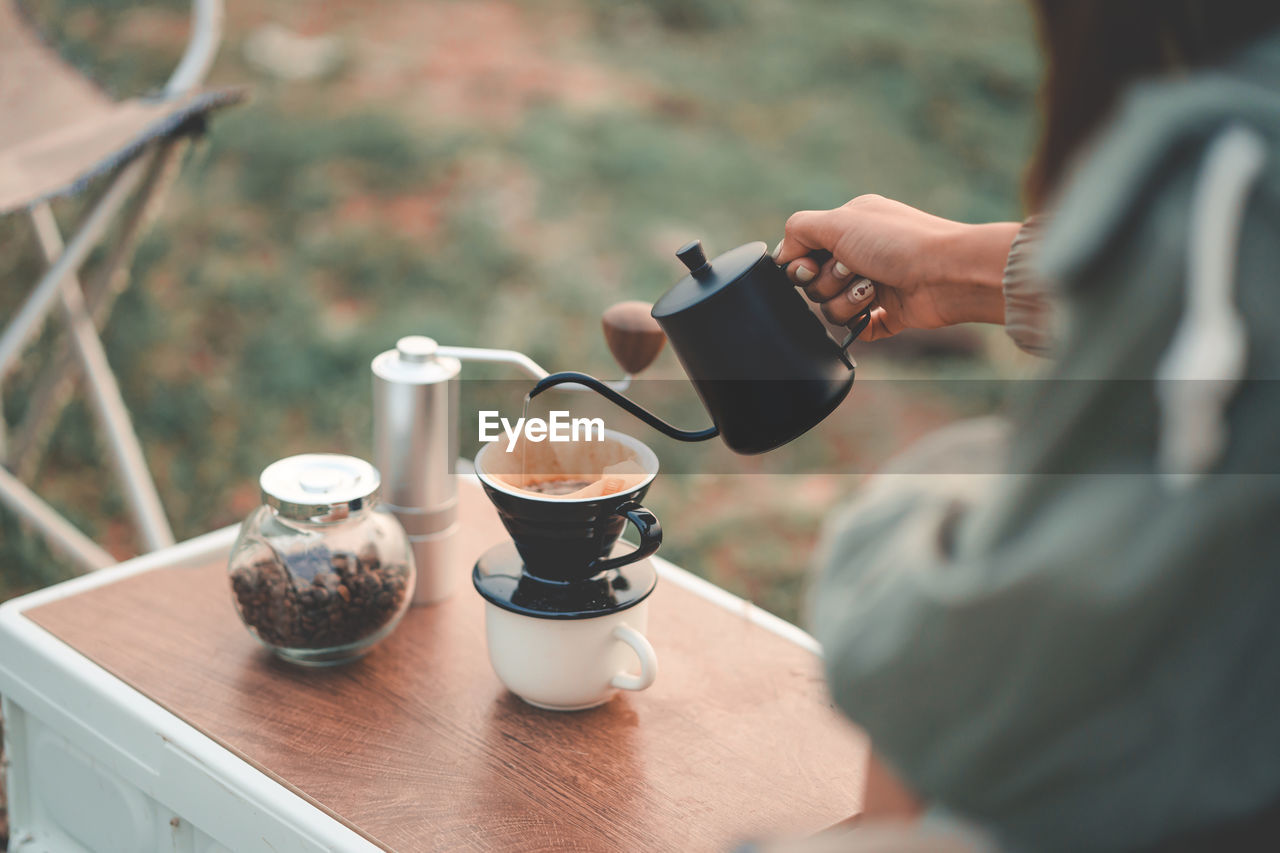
[[559, 563]]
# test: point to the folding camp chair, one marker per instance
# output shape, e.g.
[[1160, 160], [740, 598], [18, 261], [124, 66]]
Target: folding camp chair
[[58, 132]]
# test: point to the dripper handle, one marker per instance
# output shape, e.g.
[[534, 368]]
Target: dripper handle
[[623, 403], [650, 531]]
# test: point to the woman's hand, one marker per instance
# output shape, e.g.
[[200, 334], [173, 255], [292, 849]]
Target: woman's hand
[[916, 270]]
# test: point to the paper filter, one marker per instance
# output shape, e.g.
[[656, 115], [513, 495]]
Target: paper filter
[[605, 467]]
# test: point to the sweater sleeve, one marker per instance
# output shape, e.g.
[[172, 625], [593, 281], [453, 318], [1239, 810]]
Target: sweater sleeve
[[1028, 298]]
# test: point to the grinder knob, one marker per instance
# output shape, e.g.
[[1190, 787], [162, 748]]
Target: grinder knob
[[633, 336]]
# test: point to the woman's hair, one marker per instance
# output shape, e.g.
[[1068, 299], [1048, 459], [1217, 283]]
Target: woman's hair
[[1097, 48]]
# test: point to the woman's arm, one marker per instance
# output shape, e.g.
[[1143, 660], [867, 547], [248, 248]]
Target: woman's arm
[[918, 271]]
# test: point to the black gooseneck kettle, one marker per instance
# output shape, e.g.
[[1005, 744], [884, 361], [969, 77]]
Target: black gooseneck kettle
[[763, 364]]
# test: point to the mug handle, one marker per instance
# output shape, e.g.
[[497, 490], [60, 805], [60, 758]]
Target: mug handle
[[650, 538], [644, 651]]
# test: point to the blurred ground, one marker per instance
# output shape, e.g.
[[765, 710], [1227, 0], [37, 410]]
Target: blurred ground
[[497, 173]]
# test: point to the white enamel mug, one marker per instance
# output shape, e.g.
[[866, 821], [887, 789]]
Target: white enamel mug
[[570, 664]]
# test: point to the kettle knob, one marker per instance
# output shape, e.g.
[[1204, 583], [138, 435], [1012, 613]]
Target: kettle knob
[[633, 336], [693, 256]]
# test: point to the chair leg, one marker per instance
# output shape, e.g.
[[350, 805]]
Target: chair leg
[[125, 450], [30, 318], [57, 530], [57, 381]]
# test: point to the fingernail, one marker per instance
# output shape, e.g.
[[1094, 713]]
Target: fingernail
[[776, 250], [804, 275], [840, 270], [861, 292]]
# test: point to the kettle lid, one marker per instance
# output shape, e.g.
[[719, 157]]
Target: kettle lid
[[706, 278]]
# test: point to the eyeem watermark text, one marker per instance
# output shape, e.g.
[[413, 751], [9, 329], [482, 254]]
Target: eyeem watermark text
[[558, 427]]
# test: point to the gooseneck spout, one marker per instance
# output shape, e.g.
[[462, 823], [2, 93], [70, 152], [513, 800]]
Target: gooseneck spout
[[622, 402]]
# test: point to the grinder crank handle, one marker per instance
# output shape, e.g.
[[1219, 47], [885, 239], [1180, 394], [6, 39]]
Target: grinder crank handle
[[633, 336], [858, 324]]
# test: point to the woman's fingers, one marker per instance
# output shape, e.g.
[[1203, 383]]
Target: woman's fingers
[[879, 328], [836, 284], [851, 302], [806, 231], [803, 271], [832, 280], [809, 231], [820, 282]]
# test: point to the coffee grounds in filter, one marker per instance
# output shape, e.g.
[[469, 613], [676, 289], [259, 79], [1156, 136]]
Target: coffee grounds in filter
[[556, 488], [601, 467]]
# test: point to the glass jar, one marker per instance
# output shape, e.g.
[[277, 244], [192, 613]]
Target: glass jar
[[318, 573]]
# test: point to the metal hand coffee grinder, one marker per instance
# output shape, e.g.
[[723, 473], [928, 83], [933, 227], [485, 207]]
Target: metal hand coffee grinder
[[415, 432]]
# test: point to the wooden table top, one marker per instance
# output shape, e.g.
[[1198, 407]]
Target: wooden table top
[[419, 747]]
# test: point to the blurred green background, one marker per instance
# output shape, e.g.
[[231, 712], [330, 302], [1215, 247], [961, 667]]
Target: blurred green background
[[496, 174]]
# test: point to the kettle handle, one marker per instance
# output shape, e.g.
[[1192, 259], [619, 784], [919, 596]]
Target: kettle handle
[[858, 324], [622, 402]]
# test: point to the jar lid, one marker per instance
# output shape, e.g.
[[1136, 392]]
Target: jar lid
[[705, 277], [500, 579], [319, 487]]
